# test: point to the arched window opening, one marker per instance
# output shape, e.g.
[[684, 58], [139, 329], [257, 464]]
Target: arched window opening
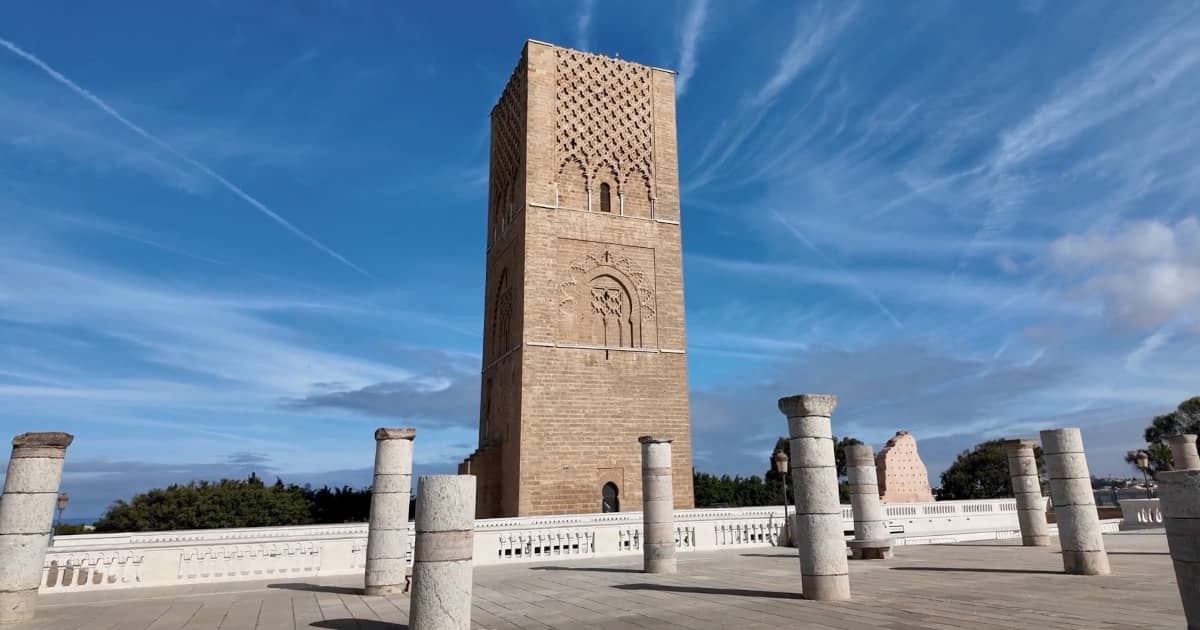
[[610, 498], [605, 198]]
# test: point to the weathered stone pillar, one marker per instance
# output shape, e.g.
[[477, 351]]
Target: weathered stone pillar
[[823, 567], [387, 533], [26, 518], [1179, 494], [658, 506], [442, 572], [871, 539], [1027, 488], [1074, 505], [1183, 452]]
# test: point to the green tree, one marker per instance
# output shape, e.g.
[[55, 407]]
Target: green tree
[[981, 473], [1184, 419], [235, 503]]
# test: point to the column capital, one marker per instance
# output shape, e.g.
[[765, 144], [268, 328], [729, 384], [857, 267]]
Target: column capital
[[49, 439], [1017, 444], [649, 439], [1182, 438], [802, 405], [395, 433]]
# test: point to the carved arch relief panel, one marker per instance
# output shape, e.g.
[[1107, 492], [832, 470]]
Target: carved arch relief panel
[[605, 296], [603, 133]]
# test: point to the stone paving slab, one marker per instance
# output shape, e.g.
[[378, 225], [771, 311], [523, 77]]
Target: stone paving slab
[[990, 585]]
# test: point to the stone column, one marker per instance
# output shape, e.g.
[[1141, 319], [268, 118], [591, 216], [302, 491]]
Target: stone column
[[442, 571], [822, 546], [1179, 495], [1027, 488], [1074, 505], [871, 539], [26, 517], [658, 506], [1183, 452], [387, 533]]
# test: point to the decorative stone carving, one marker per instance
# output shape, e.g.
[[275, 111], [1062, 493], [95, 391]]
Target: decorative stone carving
[[618, 300], [902, 475], [502, 311], [604, 120], [508, 133]]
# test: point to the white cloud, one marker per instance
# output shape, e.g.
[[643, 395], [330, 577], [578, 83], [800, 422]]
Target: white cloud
[[813, 33], [583, 25], [1145, 274], [693, 26]]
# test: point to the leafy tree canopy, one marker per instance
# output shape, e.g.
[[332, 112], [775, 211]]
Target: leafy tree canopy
[[981, 473], [1185, 419], [235, 503]]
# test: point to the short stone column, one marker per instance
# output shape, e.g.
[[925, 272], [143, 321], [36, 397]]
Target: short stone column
[[871, 538], [442, 571], [1183, 452], [1027, 488], [658, 506], [26, 518], [1074, 505], [387, 533], [1179, 494], [820, 541]]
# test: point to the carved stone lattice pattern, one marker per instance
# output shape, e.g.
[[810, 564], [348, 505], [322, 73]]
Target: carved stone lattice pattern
[[508, 133], [582, 268], [603, 108], [502, 316]]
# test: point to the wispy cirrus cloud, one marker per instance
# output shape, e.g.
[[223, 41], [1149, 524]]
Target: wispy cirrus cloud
[[169, 148], [583, 25], [689, 44]]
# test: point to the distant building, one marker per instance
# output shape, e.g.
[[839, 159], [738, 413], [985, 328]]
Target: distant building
[[902, 475]]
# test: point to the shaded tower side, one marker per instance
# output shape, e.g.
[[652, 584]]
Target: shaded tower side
[[604, 359], [496, 463]]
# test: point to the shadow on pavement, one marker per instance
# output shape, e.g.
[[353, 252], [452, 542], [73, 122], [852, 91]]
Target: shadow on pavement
[[318, 588], [740, 592], [977, 570], [596, 569], [358, 624]]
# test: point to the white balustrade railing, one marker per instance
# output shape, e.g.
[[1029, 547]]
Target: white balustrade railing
[[1140, 513], [112, 561]]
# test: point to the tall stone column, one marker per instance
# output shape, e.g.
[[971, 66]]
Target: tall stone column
[[1027, 488], [387, 533], [1074, 505], [822, 546], [442, 571], [658, 506], [1183, 452], [1179, 495], [26, 518], [871, 538]]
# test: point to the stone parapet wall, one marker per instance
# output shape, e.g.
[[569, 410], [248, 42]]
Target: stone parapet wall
[[112, 561]]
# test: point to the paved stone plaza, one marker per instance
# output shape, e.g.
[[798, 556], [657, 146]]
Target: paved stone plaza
[[992, 584]]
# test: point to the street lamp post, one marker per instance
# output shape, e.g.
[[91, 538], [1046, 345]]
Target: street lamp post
[[781, 467], [62, 506], [1142, 460]]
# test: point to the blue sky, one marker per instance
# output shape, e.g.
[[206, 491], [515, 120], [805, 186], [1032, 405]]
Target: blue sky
[[241, 236]]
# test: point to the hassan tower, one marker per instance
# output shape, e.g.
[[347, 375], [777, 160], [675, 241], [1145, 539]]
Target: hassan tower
[[583, 333]]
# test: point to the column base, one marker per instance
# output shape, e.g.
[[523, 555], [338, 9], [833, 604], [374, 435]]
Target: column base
[[1086, 562], [385, 589], [1038, 540], [18, 606], [871, 549], [826, 587]]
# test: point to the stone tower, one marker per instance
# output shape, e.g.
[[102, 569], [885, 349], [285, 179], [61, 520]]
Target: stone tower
[[583, 348]]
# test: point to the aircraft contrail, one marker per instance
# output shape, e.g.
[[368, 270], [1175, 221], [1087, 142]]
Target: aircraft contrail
[[134, 127]]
